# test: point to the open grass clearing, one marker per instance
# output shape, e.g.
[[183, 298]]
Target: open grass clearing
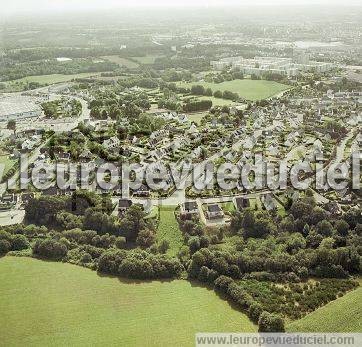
[[169, 230], [47, 303], [196, 117]]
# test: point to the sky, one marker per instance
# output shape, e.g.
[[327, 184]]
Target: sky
[[10, 7]]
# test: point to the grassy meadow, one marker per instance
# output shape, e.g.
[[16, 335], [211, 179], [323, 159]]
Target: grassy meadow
[[168, 229], [248, 89], [45, 303]]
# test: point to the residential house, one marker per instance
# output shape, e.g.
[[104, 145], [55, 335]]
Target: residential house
[[189, 209], [142, 191], [123, 206], [214, 211], [241, 203], [112, 143]]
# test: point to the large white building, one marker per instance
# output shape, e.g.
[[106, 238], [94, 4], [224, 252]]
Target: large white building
[[261, 65], [18, 107]]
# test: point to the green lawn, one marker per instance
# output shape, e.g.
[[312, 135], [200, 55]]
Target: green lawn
[[248, 89], [51, 79], [168, 229], [342, 315], [196, 117], [228, 206], [46, 303]]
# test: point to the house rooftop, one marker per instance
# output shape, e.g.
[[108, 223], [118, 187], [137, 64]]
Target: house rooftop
[[190, 206], [214, 208]]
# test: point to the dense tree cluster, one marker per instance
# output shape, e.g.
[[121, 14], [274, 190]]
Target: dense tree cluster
[[47, 67], [139, 265], [197, 105]]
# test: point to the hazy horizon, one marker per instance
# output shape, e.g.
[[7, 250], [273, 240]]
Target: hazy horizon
[[17, 7]]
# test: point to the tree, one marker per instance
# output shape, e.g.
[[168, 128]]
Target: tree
[[255, 310], [269, 323], [120, 242], [230, 95], [163, 246], [146, 238], [197, 90], [317, 215], [218, 94], [342, 227], [50, 249], [11, 125], [324, 228], [208, 92], [19, 242], [248, 220], [301, 209], [194, 244], [132, 223], [4, 246]]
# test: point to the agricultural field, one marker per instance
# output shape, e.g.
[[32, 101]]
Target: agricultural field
[[168, 229], [248, 89], [341, 315], [121, 61], [45, 303]]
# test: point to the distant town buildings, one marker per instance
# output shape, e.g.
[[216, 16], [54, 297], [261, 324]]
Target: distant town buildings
[[262, 65]]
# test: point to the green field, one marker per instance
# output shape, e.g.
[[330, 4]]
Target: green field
[[341, 315], [168, 229], [51, 79], [46, 303], [121, 61], [248, 89]]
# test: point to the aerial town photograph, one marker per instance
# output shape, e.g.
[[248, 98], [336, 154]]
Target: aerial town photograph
[[180, 173]]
